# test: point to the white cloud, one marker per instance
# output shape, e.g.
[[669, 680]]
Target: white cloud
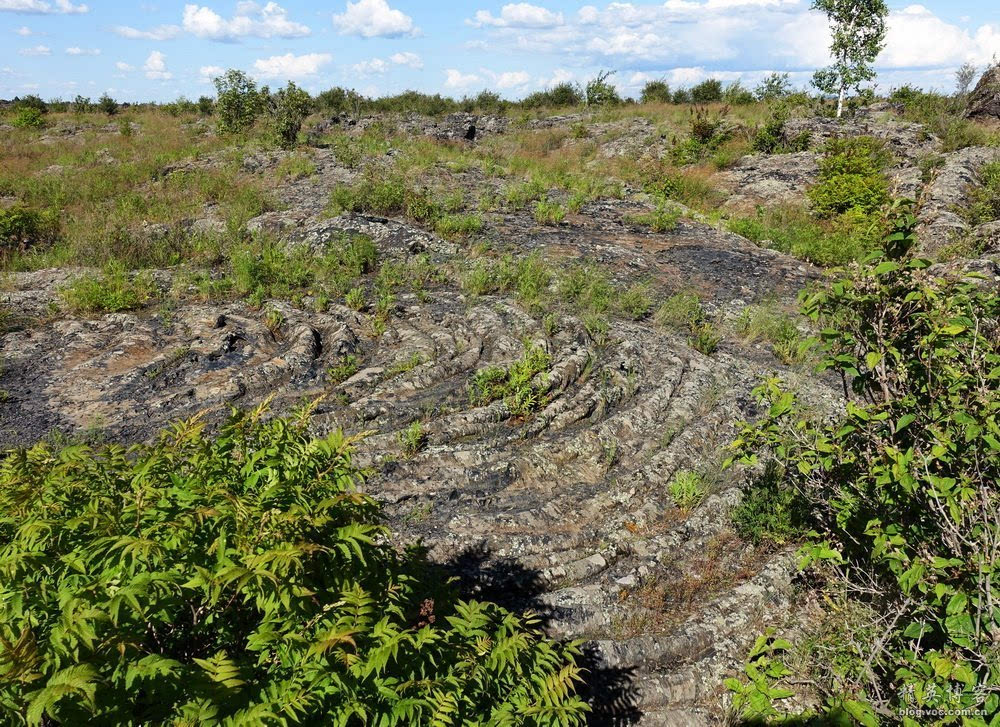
[[42, 7], [374, 19], [269, 21], [408, 59], [559, 75], [124, 67], [369, 67], [291, 66], [38, 50], [24, 31], [918, 38], [519, 15], [210, 73], [510, 79], [160, 32], [380, 65], [456, 79], [75, 51], [155, 67]]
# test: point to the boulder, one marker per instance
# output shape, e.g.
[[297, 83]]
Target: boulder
[[984, 102]]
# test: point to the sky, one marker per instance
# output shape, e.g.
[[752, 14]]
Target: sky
[[160, 50]]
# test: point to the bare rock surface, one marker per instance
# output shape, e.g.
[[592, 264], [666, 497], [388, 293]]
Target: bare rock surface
[[943, 199], [984, 101]]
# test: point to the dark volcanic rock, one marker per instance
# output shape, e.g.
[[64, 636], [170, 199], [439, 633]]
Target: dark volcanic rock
[[984, 101]]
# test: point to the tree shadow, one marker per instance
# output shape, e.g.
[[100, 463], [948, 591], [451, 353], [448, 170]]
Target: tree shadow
[[610, 691]]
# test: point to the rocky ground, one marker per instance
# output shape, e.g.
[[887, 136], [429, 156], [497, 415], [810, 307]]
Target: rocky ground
[[566, 511]]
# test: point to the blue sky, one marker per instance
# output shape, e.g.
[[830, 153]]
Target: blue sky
[[159, 50]]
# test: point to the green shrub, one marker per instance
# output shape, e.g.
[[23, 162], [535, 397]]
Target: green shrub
[[515, 385], [21, 227], [708, 91], [772, 87], [736, 94], [851, 177], [900, 486], [243, 578], [107, 105], [289, 108], [600, 92], [114, 290], [238, 103], [771, 512], [27, 117], [656, 92]]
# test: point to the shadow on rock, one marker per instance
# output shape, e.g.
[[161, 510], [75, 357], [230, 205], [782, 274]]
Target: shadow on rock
[[611, 692]]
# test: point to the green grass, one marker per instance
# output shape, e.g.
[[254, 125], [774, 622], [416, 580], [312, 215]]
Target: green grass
[[548, 212], [662, 219], [767, 322], [793, 230], [453, 225], [984, 198], [412, 439], [686, 489], [514, 384], [115, 289]]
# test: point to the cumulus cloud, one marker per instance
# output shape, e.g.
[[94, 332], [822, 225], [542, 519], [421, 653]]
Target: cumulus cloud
[[519, 15], [76, 51], [374, 19], [269, 21], [408, 59], [155, 67], [38, 50], [210, 73], [42, 7], [510, 79], [24, 31], [379, 65], [160, 32], [124, 67], [290, 66], [456, 79]]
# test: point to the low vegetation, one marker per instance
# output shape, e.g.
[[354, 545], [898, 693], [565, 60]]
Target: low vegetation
[[520, 385], [237, 577]]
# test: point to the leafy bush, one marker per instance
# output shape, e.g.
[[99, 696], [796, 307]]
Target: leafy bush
[[681, 96], [900, 487], [242, 578], [238, 103], [27, 117], [736, 94], [21, 227], [600, 92], [851, 177], [107, 105], [656, 92], [290, 106], [708, 91], [772, 87]]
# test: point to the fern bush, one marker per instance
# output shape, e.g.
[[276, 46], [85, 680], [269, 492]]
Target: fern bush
[[242, 579]]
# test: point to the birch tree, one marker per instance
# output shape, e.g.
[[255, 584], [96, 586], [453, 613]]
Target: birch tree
[[858, 30]]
